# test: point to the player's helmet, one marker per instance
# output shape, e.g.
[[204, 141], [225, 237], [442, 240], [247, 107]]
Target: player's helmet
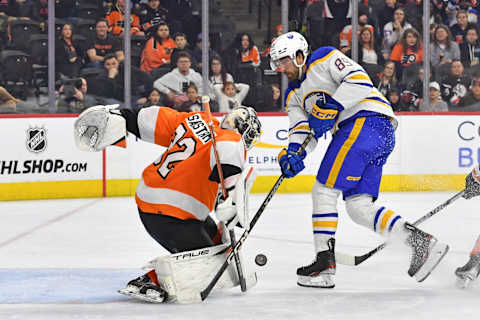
[[245, 121], [287, 45]]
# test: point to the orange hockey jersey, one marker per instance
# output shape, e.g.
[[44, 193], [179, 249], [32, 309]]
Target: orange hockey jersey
[[155, 54], [116, 22], [177, 184]]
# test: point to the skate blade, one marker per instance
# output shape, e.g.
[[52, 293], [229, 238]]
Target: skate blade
[[439, 250], [140, 296], [463, 283], [325, 282]]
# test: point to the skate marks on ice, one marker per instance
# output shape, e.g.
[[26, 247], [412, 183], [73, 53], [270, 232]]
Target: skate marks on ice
[[86, 265]]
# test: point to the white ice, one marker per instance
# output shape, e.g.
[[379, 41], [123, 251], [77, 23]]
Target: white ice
[[65, 259]]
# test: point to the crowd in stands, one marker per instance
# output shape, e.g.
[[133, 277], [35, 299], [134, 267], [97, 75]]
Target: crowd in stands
[[391, 50], [166, 55]]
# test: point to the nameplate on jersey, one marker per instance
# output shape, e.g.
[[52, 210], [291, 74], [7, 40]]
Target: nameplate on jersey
[[199, 128]]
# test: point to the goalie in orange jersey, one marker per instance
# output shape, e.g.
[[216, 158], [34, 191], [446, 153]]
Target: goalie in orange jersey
[[178, 191]]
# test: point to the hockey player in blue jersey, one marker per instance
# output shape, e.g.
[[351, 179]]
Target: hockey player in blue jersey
[[330, 92]]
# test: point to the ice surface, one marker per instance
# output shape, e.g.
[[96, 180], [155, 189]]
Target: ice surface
[[65, 259]]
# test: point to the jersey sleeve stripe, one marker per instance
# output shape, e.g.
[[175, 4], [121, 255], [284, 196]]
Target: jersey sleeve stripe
[[359, 77], [318, 60], [360, 84], [377, 100]]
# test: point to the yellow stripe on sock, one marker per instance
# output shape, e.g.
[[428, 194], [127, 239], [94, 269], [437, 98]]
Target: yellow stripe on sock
[[325, 224], [385, 219]]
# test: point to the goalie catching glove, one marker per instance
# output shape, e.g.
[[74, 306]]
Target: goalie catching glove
[[98, 127]]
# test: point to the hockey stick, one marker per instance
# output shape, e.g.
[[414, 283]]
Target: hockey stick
[[206, 104], [472, 189], [204, 294]]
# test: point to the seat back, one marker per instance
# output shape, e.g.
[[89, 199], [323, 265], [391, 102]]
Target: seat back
[[21, 30], [39, 49], [16, 66]]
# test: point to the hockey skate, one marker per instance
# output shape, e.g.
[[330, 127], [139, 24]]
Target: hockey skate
[[469, 272], [427, 252], [319, 274], [144, 289]]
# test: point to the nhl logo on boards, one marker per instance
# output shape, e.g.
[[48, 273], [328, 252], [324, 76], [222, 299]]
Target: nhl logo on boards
[[36, 139]]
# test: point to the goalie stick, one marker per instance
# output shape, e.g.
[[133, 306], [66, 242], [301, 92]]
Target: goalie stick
[[206, 105], [472, 189], [204, 294]]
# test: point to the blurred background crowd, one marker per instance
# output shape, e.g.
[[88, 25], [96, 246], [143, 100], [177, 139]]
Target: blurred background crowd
[[166, 52]]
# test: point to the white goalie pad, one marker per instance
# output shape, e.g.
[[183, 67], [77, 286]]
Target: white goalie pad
[[242, 189], [184, 275], [98, 127]]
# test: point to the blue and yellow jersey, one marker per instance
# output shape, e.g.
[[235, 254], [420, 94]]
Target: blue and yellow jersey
[[332, 77]]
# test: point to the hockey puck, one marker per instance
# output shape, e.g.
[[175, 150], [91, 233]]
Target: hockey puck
[[261, 259]]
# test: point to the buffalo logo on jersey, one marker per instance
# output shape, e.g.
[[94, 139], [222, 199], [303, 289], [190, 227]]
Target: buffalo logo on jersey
[[319, 98], [36, 139], [199, 127]]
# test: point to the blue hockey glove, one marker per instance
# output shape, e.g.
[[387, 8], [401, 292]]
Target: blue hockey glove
[[290, 162], [323, 117]]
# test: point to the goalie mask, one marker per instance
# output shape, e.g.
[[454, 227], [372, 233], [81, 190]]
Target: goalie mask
[[244, 120]]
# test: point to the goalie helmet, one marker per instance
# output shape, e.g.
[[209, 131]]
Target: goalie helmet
[[287, 45], [245, 121]]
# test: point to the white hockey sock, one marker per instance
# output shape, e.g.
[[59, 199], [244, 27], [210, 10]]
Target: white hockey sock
[[324, 228]]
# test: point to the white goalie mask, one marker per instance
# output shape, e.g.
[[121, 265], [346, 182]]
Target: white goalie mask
[[245, 121], [287, 45]]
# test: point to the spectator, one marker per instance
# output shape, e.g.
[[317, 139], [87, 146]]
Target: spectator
[[394, 30], [459, 30], [230, 95], [8, 103], [194, 102], [154, 99], [386, 14], [74, 97], [197, 52], [218, 74], [39, 12], [272, 99], [116, 20], [175, 83], [367, 53], [158, 48], [394, 98], [443, 50], [151, 14], [470, 48], [472, 99], [387, 80], [346, 34], [436, 103], [102, 44], [412, 95], [278, 31], [68, 54], [407, 52], [248, 51], [110, 85], [19, 9], [182, 45], [455, 86]]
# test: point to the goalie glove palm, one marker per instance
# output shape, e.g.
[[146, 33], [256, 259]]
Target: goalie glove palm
[[98, 127]]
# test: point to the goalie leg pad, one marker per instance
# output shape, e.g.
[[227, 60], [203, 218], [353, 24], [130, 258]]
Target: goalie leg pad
[[184, 275]]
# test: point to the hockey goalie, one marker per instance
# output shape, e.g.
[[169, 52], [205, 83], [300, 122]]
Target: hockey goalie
[[179, 190]]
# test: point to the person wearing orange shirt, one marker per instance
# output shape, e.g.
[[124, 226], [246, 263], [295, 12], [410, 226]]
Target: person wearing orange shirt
[[407, 52], [178, 191], [249, 51], [116, 20], [158, 49]]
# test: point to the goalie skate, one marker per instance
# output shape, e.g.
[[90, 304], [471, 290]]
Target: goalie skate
[[319, 274], [144, 289], [427, 252], [469, 272]]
